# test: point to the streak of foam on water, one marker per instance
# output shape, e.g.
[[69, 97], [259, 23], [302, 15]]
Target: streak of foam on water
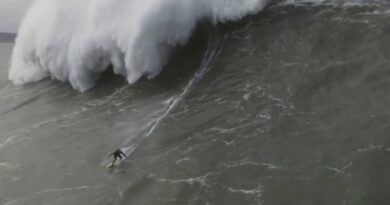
[[214, 47]]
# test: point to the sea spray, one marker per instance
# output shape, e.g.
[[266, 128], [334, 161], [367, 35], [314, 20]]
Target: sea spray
[[75, 41]]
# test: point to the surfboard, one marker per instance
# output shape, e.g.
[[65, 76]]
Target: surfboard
[[112, 165]]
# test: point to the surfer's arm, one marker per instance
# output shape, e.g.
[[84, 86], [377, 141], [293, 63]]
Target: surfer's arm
[[123, 154]]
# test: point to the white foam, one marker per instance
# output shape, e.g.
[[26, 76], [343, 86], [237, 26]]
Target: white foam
[[73, 40]]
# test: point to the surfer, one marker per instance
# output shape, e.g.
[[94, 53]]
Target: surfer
[[117, 155]]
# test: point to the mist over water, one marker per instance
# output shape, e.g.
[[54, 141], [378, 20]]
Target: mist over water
[[288, 106]]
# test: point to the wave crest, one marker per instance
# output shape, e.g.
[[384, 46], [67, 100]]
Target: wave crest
[[72, 40]]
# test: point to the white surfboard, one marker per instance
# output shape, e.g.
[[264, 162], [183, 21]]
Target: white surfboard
[[112, 165]]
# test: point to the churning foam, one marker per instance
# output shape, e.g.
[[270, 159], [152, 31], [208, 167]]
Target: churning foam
[[73, 40]]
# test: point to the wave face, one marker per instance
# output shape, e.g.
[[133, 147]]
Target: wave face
[[75, 41]]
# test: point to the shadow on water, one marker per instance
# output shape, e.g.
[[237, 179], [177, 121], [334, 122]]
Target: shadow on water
[[183, 63]]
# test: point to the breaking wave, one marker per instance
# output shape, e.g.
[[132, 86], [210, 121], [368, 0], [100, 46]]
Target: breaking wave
[[75, 41]]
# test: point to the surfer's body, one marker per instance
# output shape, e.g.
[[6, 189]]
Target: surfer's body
[[118, 154]]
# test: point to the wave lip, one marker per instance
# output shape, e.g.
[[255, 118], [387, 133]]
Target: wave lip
[[72, 40]]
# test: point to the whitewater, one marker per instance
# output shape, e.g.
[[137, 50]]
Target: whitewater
[[76, 41]]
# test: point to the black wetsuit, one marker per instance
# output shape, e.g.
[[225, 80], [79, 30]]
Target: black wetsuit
[[117, 154]]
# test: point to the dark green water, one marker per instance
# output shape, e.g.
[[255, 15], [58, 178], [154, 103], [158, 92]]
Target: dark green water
[[295, 110]]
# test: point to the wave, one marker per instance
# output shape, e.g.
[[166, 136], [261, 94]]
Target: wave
[[75, 41]]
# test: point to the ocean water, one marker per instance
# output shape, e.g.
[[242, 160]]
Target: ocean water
[[286, 106]]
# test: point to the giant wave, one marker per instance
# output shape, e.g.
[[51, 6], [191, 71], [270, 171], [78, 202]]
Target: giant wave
[[75, 41]]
